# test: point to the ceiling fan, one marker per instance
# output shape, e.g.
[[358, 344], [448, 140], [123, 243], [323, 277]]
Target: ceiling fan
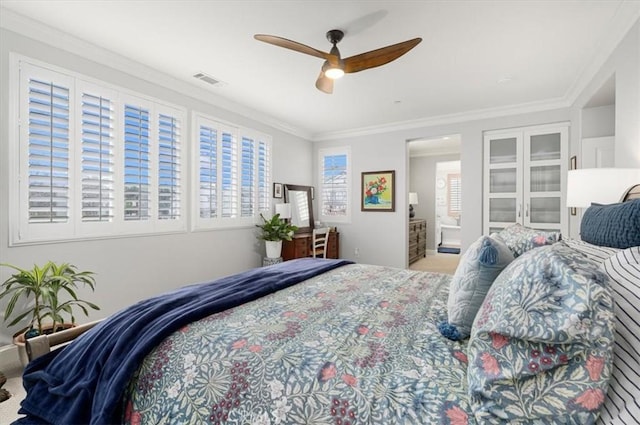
[[334, 66]]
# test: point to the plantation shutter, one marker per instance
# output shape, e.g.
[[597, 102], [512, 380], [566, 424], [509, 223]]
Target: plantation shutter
[[454, 194], [136, 163], [264, 176], [247, 173], [169, 187], [229, 172], [97, 159], [208, 172], [48, 152], [334, 185]]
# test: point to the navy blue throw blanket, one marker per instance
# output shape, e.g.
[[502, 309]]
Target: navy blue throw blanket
[[83, 383]]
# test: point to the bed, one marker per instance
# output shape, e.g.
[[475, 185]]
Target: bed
[[332, 342]]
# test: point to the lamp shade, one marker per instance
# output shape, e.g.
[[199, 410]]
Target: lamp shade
[[599, 185], [284, 210], [413, 198]]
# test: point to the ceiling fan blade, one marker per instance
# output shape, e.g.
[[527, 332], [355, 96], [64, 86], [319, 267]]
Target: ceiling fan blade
[[292, 45], [324, 84], [379, 56]]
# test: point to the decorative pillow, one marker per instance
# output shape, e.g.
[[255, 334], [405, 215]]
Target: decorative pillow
[[541, 347], [521, 239], [481, 263], [615, 225], [592, 252], [621, 403]]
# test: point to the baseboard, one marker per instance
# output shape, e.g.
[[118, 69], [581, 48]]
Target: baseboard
[[9, 358], [431, 252]]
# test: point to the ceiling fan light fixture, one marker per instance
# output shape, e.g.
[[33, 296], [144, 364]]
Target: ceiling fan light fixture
[[334, 73]]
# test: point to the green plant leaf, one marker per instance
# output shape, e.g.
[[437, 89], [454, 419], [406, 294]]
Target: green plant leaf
[[46, 285]]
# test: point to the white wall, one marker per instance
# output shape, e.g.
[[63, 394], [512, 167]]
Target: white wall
[[381, 237], [599, 122], [388, 151], [624, 64], [129, 269]]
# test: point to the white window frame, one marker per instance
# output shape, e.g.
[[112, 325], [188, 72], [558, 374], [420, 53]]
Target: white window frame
[[454, 193], [219, 222], [322, 153], [21, 231]]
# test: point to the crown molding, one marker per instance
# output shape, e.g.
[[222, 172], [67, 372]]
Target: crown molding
[[626, 16], [479, 114], [43, 33]]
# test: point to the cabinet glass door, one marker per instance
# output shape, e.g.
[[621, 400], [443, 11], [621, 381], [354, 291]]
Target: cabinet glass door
[[546, 178], [544, 147], [503, 180], [503, 150], [544, 174]]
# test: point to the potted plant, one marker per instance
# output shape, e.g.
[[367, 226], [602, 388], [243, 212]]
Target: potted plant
[[274, 231], [49, 292]]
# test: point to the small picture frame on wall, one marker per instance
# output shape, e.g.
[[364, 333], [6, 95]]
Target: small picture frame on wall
[[277, 190], [378, 191], [573, 165]]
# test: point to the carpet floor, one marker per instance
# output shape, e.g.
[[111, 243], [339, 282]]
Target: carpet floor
[[439, 263], [9, 408]]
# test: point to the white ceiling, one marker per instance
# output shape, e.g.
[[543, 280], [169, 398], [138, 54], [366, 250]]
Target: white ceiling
[[475, 55]]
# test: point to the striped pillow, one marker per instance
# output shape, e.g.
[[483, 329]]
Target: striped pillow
[[593, 252], [622, 405]]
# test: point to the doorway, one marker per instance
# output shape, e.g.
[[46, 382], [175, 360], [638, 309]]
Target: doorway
[[424, 155]]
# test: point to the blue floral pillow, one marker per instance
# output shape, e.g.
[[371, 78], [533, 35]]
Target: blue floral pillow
[[481, 263], [541, 347], [521, 239]]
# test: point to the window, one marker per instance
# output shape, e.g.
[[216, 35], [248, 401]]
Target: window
[[93, 161], [454, 195], [97, 159], [335, 178], [233, 174]]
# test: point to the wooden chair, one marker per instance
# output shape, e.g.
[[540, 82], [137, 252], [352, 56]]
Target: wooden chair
[[319, 242]]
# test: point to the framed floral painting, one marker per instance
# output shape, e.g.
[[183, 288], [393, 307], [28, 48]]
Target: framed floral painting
[[378, 191]]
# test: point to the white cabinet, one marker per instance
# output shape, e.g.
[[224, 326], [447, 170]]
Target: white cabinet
[[525, 172]]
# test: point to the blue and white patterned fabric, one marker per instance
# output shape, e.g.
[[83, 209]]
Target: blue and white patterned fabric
[[622, 405], [481, 263], [541, 348], [356, 345], [615, 225], [521, 239]]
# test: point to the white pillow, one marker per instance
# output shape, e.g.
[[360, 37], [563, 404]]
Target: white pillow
[[622, 405]]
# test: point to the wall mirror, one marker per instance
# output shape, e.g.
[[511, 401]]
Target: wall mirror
[[301, 207]]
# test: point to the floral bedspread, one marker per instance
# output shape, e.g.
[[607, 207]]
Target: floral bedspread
[[356, 345]]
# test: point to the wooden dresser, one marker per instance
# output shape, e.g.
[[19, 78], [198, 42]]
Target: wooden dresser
[[417, 239], [300, 246]]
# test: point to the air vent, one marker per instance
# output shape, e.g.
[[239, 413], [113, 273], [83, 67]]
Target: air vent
[[208, 79]]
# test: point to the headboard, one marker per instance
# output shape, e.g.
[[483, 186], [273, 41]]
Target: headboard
[[632, 193]]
